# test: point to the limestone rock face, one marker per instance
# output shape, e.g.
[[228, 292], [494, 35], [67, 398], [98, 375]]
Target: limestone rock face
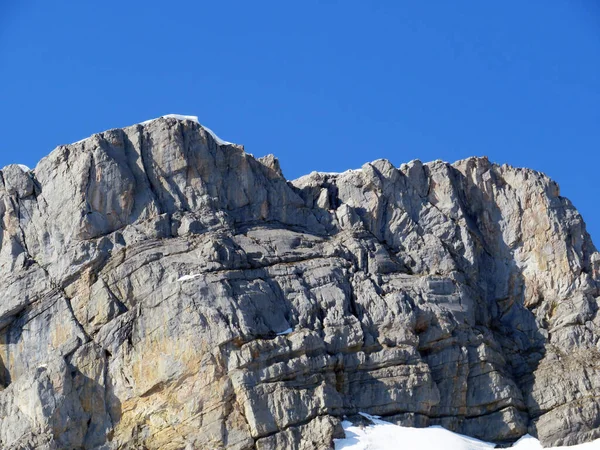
[[160, 290]]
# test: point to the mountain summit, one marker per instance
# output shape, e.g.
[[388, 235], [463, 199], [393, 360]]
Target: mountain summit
[[163, 289]]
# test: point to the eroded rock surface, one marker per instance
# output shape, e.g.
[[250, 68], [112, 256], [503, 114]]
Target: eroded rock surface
[[162, 291]]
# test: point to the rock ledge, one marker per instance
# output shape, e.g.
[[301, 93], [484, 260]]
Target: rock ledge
[[163, 289]]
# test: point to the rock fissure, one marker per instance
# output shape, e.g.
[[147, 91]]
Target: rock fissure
[[463, 295]]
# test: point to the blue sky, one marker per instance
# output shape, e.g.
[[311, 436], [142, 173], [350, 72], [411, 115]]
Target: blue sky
[[324, 85]]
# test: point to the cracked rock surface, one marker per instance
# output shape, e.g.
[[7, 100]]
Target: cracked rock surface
[[161, 291]]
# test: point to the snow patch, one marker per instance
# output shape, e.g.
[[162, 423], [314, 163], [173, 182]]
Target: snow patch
[[217, 139], [528, 442], [284, 332], [23, 167], [347, 172], [189, 277], [173, 116], [387, 436], [80, 141]]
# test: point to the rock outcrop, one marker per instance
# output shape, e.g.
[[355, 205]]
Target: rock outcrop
[[161, 290]]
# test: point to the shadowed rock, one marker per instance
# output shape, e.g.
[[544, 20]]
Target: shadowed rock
[[162, 290]]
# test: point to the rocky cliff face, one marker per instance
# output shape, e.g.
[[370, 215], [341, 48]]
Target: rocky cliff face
[[160, 290]]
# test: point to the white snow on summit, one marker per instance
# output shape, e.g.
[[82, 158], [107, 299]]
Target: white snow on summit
[[346, 172], [23, 167], [174, 116], [217, 139], [387, 436]]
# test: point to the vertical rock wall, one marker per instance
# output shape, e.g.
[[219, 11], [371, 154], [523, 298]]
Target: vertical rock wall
[[160, 290]]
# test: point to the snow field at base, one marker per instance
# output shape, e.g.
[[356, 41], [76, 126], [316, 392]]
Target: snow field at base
[[387, 436]]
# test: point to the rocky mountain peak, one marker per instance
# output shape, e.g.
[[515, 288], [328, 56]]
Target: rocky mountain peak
[[164, 289]]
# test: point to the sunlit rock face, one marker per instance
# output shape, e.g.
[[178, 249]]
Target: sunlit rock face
[[163, 290]]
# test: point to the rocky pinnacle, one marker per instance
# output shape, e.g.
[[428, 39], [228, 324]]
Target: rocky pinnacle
[[162, 289]]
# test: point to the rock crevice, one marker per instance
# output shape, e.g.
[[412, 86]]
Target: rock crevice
[[164, 290]]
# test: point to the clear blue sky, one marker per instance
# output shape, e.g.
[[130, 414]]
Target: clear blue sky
[[324, 85]]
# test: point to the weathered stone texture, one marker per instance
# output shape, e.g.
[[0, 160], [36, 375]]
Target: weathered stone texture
[[150, 278]]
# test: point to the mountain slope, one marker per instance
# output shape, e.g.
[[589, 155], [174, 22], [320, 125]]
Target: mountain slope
[[164, 290]]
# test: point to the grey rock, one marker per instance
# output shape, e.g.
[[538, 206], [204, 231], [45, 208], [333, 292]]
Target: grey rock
[[161, 290], [317, 434]]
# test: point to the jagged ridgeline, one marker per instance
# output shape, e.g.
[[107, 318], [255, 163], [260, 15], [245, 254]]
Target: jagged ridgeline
[[163, 289]]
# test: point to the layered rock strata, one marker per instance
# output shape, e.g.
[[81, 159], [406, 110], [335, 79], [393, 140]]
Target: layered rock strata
[[161, 290]]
